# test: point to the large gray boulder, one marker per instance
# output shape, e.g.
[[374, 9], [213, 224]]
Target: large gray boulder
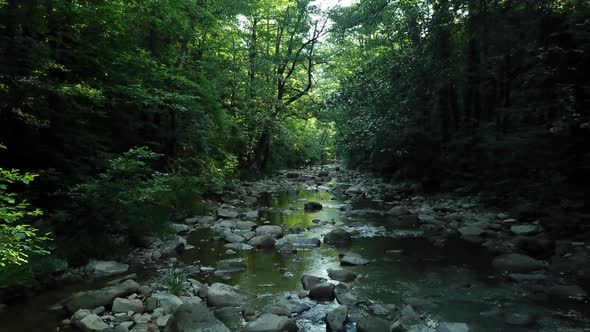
[[266, 241], [106, 268], [228, 266], [271, 323], [227, 214], [102, 297], [517, 263], [342, 275], [337, 236], [126, 305], [93, 323], [373, 324], [322, 292], [168, 301], [336, 318], [191, 317], [222, 295], [409, 321], [275, 231], [309, 282]]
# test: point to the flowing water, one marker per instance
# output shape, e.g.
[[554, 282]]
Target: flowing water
[[453, 282]]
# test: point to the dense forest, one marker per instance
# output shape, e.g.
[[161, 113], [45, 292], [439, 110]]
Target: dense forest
[[117, 117]]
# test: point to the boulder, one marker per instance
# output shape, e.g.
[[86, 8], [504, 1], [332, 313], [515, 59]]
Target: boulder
[[126, 305], [353, 260], [322, 292], [274, 231], [167, 301], [101, 297], [234, 238], [245, 225], [336, 318], [222, 295], [312, 206], [472, 231], [271, 323], [342, 275], [191, 317], [337, 236], [227, 214], [250, 215], [263, 241], [409, 321], [228, 266], [93, 323], [309, 281], [106, 268], [517, 263], [397, 211], [180, 228]]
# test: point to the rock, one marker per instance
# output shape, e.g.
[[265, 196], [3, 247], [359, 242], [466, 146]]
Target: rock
[[397, 211], [162, 320], [373, 324], [349, 260], [228, 266], [101, 297], [271, 323], [93, 323], [125, 305], [336, 318], [173, 246], [337, 236], [275, 231], [517, 263], [453, 327], [524, 229], [566, 292], [191, 317], [312, 206], [245, 225], [142, 318], [167, 301], [342, 275], [387, 311], [409, 321], [222, 295], [180, 228], [263, 241], [309, 243], [234, 238], [227, 214], [80, 314], [106, 268], [309, 282], [279, 309], [322, 292], [520, 319], [288, 249], [200, 220], [250, 215], [296, 307], [239, 246]]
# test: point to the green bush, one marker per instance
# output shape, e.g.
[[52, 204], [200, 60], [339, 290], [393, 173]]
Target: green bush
[[17, 238]]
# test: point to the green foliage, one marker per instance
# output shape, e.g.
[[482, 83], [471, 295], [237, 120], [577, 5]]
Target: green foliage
[[174, 280], [17, 239]]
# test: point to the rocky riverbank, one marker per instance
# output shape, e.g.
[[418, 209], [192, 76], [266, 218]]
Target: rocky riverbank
[[539, 262]]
